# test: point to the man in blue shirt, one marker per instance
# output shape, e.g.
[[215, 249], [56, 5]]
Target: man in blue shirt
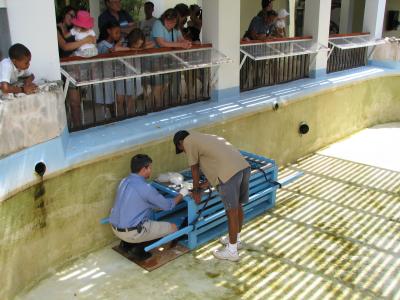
[[262, 26], [135, 202]]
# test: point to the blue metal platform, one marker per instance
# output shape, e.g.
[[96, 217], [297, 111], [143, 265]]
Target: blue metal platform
[[212, 220]]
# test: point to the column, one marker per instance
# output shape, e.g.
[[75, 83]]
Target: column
[[346, 16], [374, 14], [33, 23], [292, 20], [316, 23], [221, 27], [94, 7]]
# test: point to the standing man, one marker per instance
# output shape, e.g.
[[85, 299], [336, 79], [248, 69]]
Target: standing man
[[226, 169], [134, 203], [147, 24]]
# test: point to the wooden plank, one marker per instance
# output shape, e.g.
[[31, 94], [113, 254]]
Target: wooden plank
[[160, 256]]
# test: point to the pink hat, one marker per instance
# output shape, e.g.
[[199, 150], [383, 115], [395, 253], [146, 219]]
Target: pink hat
[[83, 19]]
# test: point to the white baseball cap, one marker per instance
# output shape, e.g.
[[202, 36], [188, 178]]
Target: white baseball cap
[[283, 13]]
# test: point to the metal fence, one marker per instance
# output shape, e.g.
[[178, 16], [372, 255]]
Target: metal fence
[[102, 103], [260, 73], [344, 59]]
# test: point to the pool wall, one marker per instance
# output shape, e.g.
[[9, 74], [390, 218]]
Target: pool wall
[[55, 221]]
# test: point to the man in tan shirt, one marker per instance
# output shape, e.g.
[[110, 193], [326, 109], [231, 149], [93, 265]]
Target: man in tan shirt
[[224, 168]]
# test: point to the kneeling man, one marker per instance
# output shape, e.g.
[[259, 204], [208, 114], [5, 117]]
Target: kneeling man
[[135, 202]]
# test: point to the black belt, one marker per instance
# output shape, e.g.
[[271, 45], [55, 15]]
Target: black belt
[[127, 229]]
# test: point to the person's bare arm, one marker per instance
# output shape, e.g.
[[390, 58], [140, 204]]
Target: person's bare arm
[[178, 199], [149, 45], [7, 88], [29, 80], [118, 47], [180, 44], [196, 183], [183, 40], [74, 45], [29, 87], [255, 36]]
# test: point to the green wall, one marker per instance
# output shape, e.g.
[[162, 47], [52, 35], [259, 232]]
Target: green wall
[[40, 233]]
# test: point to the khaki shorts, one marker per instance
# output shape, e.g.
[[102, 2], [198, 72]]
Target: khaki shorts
[[151, 230]]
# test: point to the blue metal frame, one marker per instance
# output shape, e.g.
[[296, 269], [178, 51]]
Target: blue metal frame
[[212, 221]]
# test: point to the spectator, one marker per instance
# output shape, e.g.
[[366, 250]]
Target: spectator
[[110, 41], [193, 30], [114, 12], [281, 23], [261, 26], [165, 34], [15, 68], [136, 40], [66, 47], [266, 5], [271, 21], [66, 42], [195, 16], [83, 28], [147, 24], [183, 13]]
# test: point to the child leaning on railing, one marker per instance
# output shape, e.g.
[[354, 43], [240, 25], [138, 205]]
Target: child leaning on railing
[[15, 76]]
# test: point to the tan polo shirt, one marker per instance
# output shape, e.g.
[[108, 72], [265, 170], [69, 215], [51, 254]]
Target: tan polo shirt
[[216, 156]]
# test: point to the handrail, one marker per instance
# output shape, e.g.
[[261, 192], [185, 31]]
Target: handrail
[[343, 35], [274, 40], [133, 53]]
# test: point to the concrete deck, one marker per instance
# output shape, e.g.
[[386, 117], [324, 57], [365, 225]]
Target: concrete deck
[[334, 234]]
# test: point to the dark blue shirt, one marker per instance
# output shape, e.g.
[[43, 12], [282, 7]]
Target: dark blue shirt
[[106, 17], [258, 26], [135, 202]]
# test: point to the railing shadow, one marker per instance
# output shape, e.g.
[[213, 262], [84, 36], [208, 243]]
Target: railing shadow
[[335, 233]]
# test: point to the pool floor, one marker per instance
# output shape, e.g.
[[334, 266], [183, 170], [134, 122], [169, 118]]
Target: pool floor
[[334, 234]]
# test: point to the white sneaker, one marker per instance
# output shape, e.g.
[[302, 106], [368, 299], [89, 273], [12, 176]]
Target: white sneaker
[[225, 253], [224, 240]]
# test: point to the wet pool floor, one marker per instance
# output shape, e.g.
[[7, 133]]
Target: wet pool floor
[[334, 234]]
